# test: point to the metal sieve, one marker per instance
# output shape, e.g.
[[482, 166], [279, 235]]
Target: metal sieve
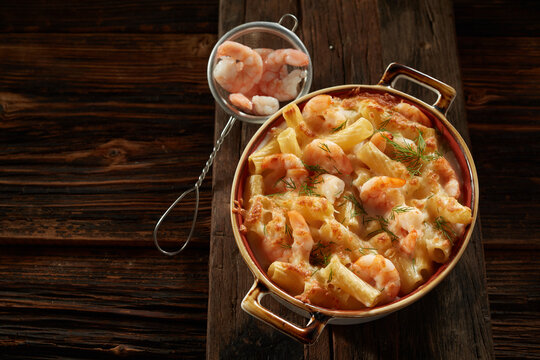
[[258, 34]]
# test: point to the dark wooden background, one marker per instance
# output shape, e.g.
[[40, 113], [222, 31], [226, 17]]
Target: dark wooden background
[[105, 117]]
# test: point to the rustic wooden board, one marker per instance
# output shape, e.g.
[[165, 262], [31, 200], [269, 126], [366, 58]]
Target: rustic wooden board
[[94, 137], [345, 50], [78, 78]]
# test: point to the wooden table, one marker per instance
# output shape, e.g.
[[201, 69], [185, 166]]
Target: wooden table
[[105, 117]]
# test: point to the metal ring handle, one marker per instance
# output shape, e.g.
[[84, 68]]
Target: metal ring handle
[[446, 94], [295, 21], [195, 188], [308, 334]]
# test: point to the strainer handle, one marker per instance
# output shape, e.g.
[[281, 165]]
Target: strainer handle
[[294, 19], [195, 188]]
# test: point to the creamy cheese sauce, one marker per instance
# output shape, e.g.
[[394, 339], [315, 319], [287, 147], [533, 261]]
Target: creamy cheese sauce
[[350, 203]]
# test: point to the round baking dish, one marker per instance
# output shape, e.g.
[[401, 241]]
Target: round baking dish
[[318, 316]]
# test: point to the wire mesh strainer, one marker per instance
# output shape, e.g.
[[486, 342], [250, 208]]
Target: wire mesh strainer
[[258, 34]]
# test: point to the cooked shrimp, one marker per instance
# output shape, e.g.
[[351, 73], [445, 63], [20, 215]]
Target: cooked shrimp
[[263, 52], [329, 186], [320, 114], [265, 105], [239, 69], [408, 227], [287, 172], [275, 244], [276, 59], [380, 194], [379, 139], [303, 242], [379, 272], [412, 113], [241, 102], [328, 155], [448, 177], [258, 105], [276, 81], [283, 88]]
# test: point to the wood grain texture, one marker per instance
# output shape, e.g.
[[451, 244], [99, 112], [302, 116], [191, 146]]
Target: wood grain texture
[[122, 16], [93, 130], [105, 118], [102, 302], [350, 61]]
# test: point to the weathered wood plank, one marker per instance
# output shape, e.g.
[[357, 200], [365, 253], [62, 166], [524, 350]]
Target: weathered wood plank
[[349, 61], [430, 46], [514, 295], [231, 332], [123, 16], [64, 302], [96, 135], [497, 18]]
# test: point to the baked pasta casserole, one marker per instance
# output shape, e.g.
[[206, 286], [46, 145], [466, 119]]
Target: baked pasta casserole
[[354, 203]]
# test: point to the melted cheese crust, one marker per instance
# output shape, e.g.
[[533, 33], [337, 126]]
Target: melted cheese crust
[[352, 204]]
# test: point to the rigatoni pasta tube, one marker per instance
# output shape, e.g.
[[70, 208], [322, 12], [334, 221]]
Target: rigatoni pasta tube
[[288, 143], [449, 208], [254, 186], [287, 276], [352, 135], [256, 159], [339, 275], [410, 278], [379, 163]]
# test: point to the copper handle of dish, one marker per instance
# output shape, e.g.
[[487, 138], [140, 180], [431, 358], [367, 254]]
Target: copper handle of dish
[[446, 93], [308, 334]]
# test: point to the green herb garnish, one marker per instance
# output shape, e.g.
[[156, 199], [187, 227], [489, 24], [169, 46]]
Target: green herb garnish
[[383, 223], [363, 249], [288, 231], [289, 184], [308, 189], [324, 147], [412, 156], [399, 209], [315, 168], [445, 227], [340, 127], [358, 206]]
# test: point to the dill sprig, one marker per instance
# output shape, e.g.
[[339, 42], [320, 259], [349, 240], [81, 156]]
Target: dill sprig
[[362, 250], [399, 209], [446, 228], [308, 189], [289, 184], [384, 123], [383, 223], [288, 231], [324, 147], [412, 156], [340, 127], [276, 194], [330, 276], [358, 206], [318, 255], [317, 169], [285, 245], [337, 170]]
